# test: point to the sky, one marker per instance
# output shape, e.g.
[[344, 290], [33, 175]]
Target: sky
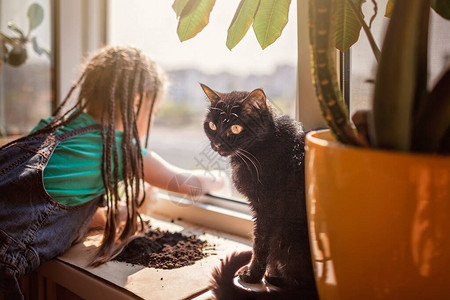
[[152, 24]]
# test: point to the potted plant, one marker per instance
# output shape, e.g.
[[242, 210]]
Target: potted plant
[[378, 198], [378, 216], [13, 49]]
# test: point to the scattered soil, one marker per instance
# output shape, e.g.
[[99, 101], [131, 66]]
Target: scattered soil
[[163, 250]]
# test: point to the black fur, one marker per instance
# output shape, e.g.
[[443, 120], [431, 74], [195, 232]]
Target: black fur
[[267, 158]]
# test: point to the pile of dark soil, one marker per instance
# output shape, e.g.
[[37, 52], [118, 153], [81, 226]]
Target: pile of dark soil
[[163, 250]]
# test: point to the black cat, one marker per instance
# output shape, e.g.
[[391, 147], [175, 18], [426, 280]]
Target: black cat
[[267, 157]]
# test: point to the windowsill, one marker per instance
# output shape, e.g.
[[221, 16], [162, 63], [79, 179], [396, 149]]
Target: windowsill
[[226, 230], [228, 219]]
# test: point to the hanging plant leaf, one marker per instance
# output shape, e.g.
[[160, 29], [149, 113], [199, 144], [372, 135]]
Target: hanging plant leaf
[[178, 6], [347, 25], [389, 8], [357, 13], [35, 15], [193, 18], [270, 20], [242, 20], [442, 7]]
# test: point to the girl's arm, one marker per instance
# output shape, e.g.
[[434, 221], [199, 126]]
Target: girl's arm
[[161, 174]]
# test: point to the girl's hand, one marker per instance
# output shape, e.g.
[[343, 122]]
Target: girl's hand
[[99, 219], [221, 184], [211, 181], [161, 174]]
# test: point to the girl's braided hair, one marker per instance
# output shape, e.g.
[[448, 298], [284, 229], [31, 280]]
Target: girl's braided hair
[[110, 81]]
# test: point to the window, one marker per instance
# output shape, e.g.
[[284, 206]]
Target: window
[[363, 63], [177, 134], [29, 81]]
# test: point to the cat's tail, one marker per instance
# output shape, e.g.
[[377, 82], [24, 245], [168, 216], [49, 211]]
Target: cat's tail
[[223, 278], [223, 286]]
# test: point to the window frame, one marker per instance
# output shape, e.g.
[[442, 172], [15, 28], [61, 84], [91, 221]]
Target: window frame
[[82, 27]]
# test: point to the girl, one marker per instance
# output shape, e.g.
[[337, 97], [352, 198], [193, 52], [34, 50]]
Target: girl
[[53, 180]]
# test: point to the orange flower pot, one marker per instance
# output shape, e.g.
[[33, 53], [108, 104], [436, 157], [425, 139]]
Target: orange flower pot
[[379, 221]]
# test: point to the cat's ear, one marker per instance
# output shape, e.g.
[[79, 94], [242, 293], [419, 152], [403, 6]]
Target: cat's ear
[[256, 99], [212, 95]]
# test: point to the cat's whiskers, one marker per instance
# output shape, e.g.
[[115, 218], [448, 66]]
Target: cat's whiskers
[[250, 154], [247, 155], [238, 155]]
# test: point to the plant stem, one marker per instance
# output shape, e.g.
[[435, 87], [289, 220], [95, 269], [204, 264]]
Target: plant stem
[[7, 39], [324, 73], [373, 45]]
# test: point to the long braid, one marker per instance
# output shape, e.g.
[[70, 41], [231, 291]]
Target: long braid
[[138, 169], [131, 134], [140, 162], [127, 108], [109, 235]]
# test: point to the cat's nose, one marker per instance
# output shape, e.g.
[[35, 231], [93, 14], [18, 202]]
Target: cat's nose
[[216, 146]]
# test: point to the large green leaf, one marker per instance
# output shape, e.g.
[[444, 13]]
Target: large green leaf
[[346, 23], [242, 20], [178, 6], [270, 20], [399, 76], [193, 18], [442, 7], [35, 15]]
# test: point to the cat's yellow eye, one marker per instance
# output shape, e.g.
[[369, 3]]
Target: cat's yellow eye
[[212, 126], [236, 129]]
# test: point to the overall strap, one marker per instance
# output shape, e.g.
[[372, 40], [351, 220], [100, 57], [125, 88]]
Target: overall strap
[[77, 131]]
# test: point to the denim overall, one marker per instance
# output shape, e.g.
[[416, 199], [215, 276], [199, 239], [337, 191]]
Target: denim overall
[[34, 228]]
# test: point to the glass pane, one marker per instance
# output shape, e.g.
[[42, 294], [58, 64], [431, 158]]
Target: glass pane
[[363, 63], [25, 74], [178, 134], [439, 49]]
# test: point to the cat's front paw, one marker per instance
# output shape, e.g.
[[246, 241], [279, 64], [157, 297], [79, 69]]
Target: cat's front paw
[[247, 276]]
